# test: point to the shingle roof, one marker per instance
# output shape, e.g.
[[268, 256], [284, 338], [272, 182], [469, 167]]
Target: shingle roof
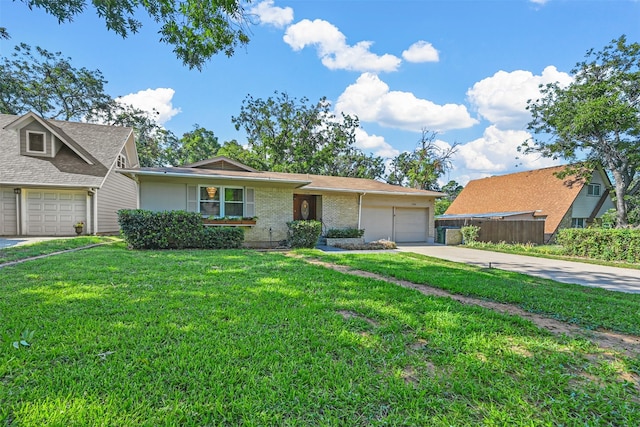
[[537, 190], [100, 143], [303, 181]]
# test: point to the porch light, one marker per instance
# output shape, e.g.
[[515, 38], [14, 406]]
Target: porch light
[[211, 191], [17, 191]]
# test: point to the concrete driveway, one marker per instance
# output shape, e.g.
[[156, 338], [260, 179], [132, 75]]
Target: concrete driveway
[[612, 278], [7, 242]]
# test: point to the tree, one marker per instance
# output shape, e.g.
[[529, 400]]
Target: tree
[[597, 116], [198, 144], [451, 189], [152, 140], [47, 83], [196, 29], [234, 150], [287, 135], [422, 167]]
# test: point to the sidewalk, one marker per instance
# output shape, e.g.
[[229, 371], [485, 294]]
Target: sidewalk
[[612, 278]]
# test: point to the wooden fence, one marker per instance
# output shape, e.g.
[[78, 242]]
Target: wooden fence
[[496, 231]]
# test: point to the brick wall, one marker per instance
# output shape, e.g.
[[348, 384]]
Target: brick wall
[[274, 208], [340, 210]]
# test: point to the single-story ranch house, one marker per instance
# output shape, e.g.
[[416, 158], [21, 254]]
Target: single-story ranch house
[[221, 187], [55, 174]]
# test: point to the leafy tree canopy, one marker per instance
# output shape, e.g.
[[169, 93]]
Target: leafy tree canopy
[[597, 115], [422, 167], [196, 29], [46, 83], [196, 145], [289, 135]]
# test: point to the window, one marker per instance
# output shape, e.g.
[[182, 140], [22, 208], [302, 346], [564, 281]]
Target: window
[[121, 163], [35, 142], [593, 190], [221, 201], [578, 222]]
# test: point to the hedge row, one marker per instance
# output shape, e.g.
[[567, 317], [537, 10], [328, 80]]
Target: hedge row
[[344, 233], [144, 229], [611, 244]]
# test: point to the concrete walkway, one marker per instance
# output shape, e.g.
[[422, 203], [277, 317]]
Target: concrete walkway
[[612, 278]]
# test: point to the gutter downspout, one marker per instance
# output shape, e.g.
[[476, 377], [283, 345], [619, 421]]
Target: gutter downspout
[[18, 191], [95, 212], [360, 210]]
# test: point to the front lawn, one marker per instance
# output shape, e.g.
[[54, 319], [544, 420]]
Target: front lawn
[[15, 253], [247, 338], [589, 307]]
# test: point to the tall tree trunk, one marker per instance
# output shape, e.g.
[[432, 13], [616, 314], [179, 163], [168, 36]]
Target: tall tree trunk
[[621, 205]]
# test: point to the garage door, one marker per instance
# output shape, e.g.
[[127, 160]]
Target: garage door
[[411, 225], [8, 225], [377, 223], [53, 212]]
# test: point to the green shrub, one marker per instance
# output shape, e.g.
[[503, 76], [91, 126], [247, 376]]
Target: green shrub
[[344, 233], [470, 233], [610, 244], [144, 229], [303, 234], [221, 238]]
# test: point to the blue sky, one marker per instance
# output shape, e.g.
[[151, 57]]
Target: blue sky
[[462, 68]]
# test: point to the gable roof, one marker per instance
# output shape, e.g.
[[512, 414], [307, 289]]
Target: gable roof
[[537, 190], [243, 173], [88, 153]]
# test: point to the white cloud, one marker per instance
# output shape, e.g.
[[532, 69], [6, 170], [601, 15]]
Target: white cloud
[[371, 100], [496, 153], [502, 98], [153, 99], [421, 51], [267, 13], [540, 2], [333, 50], [374, 143]]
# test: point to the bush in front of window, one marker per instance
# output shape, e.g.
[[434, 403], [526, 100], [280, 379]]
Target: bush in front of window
[[344, 233], [303, 234], [611, 244], [143, 229]]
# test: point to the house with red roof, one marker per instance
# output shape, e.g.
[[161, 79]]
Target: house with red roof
[[571, 201]]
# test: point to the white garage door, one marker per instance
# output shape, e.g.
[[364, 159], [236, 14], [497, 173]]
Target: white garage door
[[411, 225], [54, 212], [377, 223], [8, 225]]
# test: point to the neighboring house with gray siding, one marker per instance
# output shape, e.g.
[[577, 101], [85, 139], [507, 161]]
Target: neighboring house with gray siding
[[221, 187], [54, 174]]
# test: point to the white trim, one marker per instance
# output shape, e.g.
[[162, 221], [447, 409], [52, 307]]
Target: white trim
[[28, 139], [221, 201], [121, 161], [591, 187], [95, 212]]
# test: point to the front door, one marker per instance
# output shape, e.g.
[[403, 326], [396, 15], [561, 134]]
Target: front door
[[304, 207]]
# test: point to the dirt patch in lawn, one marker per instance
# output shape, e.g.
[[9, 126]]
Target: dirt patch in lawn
[[627, 344]]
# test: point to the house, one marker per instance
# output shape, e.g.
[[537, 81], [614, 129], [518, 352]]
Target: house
[[536, 194], [54, 174], [221, 187]]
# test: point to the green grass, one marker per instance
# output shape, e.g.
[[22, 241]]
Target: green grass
[[15, 253], [589, 307], [193, 338], [545, 251]]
